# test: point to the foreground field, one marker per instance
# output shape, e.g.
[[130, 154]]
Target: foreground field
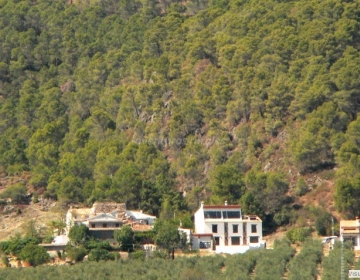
[[279, 263]]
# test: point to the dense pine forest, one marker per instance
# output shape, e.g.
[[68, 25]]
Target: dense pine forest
[[164, 103]]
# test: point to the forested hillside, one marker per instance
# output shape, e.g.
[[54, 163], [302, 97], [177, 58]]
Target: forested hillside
[[137, 100]]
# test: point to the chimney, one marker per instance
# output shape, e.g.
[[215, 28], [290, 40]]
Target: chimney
[[202, 204], [226, 203]]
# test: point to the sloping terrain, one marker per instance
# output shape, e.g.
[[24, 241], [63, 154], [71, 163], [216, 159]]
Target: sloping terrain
[[162, 104]]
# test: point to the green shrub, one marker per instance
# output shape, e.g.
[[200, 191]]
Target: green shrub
[[161, 254], [99, 254], [282, 218], [142, 237], [17, 193], [5, 261], [301, 187], [298, 234], [116, 256], [34, 254], [92, 244], [323, 223], [75, 253], [125, 238], [78, 234], [16, 244], [35, 198], [47, 239], [138, 255]]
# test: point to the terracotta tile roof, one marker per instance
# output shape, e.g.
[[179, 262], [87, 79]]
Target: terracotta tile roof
[[141, 227]]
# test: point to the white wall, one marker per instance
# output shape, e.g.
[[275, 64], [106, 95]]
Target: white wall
[[207, 228], [151, 221], [258, 233], [199, 221], [69, 221], [221, 229], [236, 234]]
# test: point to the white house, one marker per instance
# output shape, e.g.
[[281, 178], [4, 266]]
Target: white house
[[224, 229], [105, 217], [140, 217], [101, 215], [350, 231]]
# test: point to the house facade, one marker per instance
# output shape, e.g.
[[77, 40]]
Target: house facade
[[106, 217], [224, 229], [350, 231]]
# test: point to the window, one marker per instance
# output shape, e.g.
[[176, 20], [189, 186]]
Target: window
[[212, 214], [235, 240], [204, 245], [217, 240], [214, 228], [104, 225], [253, 229], [235, 228], [254, 239], [231, 214], [351, 239], [116, 225], [92, 225]]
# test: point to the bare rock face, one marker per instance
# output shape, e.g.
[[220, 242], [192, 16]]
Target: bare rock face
[[108, 207], [267, 167], [68, 86]]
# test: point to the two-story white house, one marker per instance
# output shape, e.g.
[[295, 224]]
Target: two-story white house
[[224, 229]]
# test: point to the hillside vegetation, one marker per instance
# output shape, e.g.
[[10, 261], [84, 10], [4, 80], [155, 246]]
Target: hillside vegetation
[[136, 100]]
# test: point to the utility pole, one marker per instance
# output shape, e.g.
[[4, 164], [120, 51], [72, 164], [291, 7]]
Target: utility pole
[[342, 259]]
